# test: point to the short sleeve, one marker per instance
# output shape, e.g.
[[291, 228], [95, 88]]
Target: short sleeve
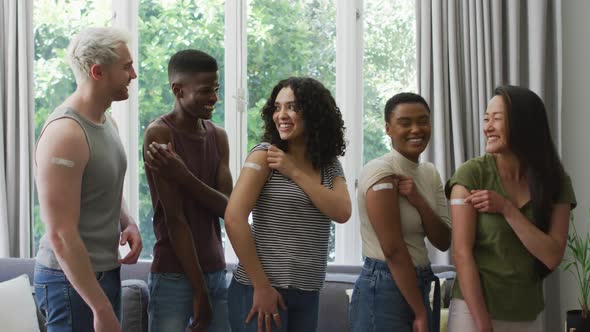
[[260, 146], [466, 175], [567, 194], [335, 170], [373, 171]]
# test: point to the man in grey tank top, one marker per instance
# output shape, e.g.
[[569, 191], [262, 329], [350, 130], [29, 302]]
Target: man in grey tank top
[[80, 171]]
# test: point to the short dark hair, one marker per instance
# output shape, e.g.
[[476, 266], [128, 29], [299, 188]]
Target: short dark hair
[[403, 98], [324, 127], [189, 62]]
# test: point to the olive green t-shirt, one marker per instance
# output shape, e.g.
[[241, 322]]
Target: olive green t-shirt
[[511, 284]]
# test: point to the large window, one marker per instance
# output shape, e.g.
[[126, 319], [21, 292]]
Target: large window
[[259, 42], [166, 27], [288, 38], [55, 22], [389, 66]]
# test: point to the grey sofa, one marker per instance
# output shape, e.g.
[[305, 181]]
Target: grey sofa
[[333, 315]]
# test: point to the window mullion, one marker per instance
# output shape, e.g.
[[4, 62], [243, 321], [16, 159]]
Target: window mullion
[[126, 113], [349, 50], [235, 91]]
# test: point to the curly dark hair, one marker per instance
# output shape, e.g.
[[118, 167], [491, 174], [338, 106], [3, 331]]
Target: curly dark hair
[[324, 127]]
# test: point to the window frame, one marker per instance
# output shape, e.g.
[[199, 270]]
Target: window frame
[[349, 97]]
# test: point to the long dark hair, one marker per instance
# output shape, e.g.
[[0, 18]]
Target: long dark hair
[[530, 140], [324, 127]]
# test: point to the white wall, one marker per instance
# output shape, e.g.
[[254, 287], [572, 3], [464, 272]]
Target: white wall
[[575, 138]]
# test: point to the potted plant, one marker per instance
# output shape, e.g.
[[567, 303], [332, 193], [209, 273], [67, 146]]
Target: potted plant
[[578, 263]]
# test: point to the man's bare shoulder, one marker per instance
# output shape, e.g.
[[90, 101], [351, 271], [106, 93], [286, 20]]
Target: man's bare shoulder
[[63, 133], [157, 130], [63, 138]]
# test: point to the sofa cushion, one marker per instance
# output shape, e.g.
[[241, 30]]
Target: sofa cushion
[[134, 302], [18, 312]]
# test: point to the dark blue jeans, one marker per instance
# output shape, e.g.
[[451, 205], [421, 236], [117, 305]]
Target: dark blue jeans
[[378, 305], [301, 314], [61, 304]]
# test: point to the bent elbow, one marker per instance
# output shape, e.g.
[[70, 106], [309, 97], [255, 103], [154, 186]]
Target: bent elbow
[[445, 244], [392, 253], [343, 216], [553, 264], [58, 238]]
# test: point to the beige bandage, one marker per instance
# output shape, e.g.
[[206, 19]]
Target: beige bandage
[[381, 186], [61, 162], [253, 166], [458, 201]]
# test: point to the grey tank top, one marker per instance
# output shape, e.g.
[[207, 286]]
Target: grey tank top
[[101, 192]]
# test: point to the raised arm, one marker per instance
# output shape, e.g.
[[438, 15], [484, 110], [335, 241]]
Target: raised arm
[[334, 203], [547, 247], [224, 178], [435, 226], [179, 230], [384, 215], [241, 203], [464, 219], [61, 156], [167, 164]]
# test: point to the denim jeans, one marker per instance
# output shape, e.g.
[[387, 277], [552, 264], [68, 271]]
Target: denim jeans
[[301, 314], [377, 303], [171, 301], [61, 304]]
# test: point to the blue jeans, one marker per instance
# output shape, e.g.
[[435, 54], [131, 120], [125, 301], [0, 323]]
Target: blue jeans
[[61, 304], [377, 304], [171, 301], [301, 314]]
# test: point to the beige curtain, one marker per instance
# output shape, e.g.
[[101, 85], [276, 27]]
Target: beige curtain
[[465, 49], [16, 127]]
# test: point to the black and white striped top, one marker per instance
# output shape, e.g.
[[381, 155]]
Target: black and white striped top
[[291, 234]]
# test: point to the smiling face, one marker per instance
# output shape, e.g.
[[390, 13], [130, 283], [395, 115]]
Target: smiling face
[[287, 117], [495, 128], [119, 74], [197, 94], [409, 129]]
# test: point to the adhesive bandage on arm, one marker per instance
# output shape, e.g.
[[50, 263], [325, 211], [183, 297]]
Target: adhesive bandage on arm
[[253, 166], [458, 201], [61, 162], [382, 186]]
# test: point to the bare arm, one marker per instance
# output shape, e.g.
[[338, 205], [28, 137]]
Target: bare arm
[[129, 233], [384, 215], [59, 191], [241, 203], [266, 299], [176, 223], [547, 247], [167, 164], [334, 203], [464, 219], [224, 178]]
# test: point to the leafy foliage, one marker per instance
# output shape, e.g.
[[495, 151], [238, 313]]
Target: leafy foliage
[[285, 38], [579, 265]]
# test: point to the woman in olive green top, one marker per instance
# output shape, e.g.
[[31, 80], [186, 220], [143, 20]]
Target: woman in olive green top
[[510, 214]]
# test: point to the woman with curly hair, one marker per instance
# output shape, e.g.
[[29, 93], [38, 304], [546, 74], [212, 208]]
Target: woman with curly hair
[[294, 186], [510, 211], [401, 202]]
